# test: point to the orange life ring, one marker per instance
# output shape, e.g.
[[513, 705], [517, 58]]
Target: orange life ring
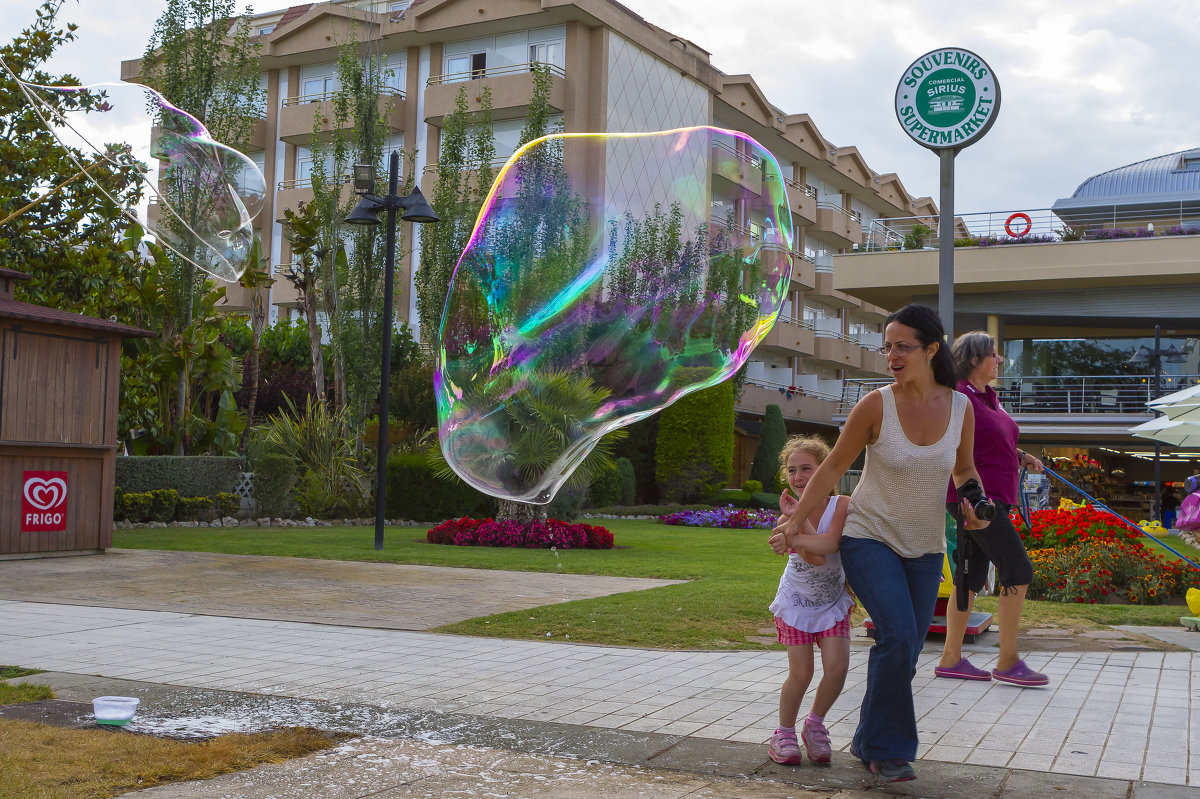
[[1009, 229]]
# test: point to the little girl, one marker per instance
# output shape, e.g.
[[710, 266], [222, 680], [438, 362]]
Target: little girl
[[811, 606]]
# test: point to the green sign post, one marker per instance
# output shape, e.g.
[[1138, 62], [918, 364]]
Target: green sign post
[[946, 100]]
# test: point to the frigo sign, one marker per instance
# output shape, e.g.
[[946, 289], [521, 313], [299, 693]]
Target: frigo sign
[[947, 99], [43, 502]]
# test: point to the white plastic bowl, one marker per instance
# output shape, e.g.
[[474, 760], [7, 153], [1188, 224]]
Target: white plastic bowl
[[115, 710]]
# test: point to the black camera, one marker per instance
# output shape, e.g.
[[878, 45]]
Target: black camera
[[972, 492]]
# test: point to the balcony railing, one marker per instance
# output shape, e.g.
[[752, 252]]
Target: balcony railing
[[1038, 226], [772, 385], [1074, 394], [510, 69], [738, 154], [306, 183], [852, 214], [304, 99], [806, 188]]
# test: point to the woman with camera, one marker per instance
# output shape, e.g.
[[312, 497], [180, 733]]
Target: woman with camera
[[918, 432], [998, 460]]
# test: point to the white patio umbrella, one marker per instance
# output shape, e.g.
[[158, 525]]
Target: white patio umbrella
[[1179, 432], [1183, 403]]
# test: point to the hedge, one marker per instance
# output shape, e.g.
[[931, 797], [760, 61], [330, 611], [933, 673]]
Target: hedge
[[414, 492], [190, 475], [694, 454], [771, 439]]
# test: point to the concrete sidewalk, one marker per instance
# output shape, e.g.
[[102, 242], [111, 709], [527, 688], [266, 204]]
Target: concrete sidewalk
[[407, 753], [1118, 718]]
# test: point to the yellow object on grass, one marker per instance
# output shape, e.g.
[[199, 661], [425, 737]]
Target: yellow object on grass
[[1193, 601], [1153, 528], [1066, 504]]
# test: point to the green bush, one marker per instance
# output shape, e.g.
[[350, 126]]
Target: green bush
[[639, 448], [567, 504], [162, 504], [752, 486], [189, 475], [136, 507], [694, 453], [606, 488], [771, 439], [190, 509], [414, 491], [730, 496], [275, 476], [767, 501], [628, 481], [647, 510], [227, 504]]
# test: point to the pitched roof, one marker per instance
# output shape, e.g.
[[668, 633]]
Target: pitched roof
[[14, 309]]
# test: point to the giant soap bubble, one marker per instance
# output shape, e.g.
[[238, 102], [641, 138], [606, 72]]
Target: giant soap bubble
[[202, 195], [607, 276]]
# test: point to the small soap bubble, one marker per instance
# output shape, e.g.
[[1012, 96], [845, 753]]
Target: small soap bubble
[[199, 196], [607, 276]]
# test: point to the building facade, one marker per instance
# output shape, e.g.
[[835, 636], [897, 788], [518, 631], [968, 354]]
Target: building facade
[[611, 71]]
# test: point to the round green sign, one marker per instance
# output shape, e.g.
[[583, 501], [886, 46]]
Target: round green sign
[[947, 99]]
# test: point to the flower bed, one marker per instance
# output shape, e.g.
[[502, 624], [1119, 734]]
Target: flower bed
[[729, 517], [550, 534], [1089, 556]]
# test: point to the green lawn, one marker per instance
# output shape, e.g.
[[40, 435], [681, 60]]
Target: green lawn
[[732, 578]]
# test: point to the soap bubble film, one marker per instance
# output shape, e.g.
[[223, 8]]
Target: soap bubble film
[[200, 197], [607, 276]]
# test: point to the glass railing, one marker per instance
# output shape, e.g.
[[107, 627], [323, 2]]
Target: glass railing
[[1060, 394]]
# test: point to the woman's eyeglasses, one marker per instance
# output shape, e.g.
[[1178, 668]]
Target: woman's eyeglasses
[[900, 349]]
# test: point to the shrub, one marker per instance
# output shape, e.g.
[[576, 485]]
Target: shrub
[[771, 439], [567, 504], [190, 509], [414, 491], [730, 496], [627, 480], [606, 488], [227, 504], [766, 501], [189, 475], [162, 505], [694, 453], [537, 535], [639, 449], [275, 476], [752, 486], [135, 507], [316, 498]]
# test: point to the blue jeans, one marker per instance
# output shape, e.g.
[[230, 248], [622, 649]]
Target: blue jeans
[[899, 594]]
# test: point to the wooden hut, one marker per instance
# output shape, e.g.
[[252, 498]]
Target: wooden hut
[[59, 376]]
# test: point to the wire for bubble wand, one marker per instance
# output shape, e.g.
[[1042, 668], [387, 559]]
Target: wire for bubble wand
[[1102, 506]]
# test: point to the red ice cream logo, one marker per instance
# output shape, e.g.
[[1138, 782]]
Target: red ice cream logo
[[44, 502]]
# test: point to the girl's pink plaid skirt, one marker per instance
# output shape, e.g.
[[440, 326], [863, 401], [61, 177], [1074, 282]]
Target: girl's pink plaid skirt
[[790, 636]]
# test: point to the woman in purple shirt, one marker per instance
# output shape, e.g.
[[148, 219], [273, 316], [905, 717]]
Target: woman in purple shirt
[[998, 462]]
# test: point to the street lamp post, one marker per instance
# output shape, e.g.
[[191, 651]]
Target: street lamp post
[[416, 209], [1146, 355]]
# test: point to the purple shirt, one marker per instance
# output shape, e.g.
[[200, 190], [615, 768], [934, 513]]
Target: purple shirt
[[995, 446]]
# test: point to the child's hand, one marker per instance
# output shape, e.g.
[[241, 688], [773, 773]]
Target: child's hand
[[787, 504], [778, 542]]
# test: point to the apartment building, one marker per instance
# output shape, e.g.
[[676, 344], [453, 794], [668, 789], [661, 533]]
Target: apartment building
[[611, 71]]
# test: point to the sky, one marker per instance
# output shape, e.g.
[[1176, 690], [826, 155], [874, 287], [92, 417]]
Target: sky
[[1086, 85]]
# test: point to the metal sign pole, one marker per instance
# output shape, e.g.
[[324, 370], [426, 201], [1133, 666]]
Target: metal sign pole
[[946, 243]]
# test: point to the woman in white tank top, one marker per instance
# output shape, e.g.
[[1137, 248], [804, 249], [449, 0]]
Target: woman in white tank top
[[918, 433]]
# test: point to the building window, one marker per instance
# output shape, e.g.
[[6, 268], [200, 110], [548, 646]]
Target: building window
[[264, 30], [320, 88], [399, 5], [464, 67], [550, 53]]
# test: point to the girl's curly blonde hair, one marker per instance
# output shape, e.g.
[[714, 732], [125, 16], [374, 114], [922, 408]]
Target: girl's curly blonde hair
[[813, 445]]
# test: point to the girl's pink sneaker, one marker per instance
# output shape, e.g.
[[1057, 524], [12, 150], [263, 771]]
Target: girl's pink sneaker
[[816, 741], [783, 748]]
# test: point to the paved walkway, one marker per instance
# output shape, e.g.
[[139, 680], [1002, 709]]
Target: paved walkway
[[1123, 715], [387, 595]]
